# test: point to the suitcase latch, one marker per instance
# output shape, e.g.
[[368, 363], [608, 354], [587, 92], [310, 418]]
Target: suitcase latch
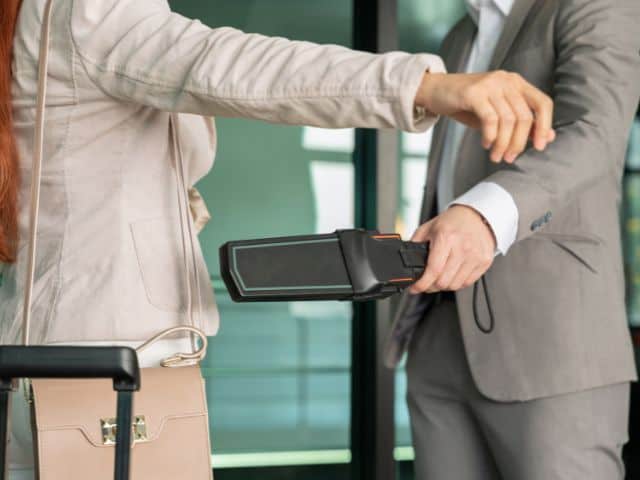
[[109, 428]]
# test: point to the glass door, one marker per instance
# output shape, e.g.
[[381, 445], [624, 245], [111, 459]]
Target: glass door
[[278, 374]]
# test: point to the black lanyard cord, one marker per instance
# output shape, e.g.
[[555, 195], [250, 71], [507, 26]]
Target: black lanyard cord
[[488, 329]]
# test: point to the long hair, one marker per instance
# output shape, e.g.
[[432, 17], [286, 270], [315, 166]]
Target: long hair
[[9, 170]]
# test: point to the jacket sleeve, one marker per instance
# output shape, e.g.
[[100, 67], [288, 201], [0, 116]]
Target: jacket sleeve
[[140, 51], [596, 92]]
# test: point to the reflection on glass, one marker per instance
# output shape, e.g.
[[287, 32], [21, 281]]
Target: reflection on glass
[[278, 374], [424, 23], [633, 156], [413, 172], [333, 192], [631, 226], [325, 140]]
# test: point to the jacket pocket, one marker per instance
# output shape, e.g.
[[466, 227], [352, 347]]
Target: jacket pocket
[[158, 248], [585, 249]]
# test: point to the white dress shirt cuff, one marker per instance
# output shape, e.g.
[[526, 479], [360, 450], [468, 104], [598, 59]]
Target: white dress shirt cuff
[[497, 207]]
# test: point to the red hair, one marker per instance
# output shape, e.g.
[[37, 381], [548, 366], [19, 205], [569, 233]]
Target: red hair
[[8, 150]]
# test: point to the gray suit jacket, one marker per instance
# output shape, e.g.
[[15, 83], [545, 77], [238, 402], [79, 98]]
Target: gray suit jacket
[[558, 295]]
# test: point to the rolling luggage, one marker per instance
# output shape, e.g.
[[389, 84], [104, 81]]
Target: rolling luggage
[[118, 363]]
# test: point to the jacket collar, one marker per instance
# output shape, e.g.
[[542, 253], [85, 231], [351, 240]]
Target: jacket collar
[[515, 22], [473, 7]]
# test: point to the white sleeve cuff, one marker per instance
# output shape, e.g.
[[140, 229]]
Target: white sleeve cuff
[[497, 207]]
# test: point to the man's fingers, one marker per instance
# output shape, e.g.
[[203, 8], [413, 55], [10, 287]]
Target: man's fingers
[[449, 272], [438, 255], [506, 125], [524, 123], [489, 121], [421, 233], [542, 107], [550, 138], [460, 279], [475, 275]]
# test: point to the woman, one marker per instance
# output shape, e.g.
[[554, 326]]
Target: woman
[[107, 269]]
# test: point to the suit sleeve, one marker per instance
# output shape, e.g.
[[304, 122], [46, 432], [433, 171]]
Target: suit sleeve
[[596, 92], [140, 51]]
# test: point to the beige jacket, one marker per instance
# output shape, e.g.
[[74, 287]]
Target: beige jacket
[[109, 262]]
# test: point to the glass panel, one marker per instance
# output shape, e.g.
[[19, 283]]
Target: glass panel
[[422, 26], [278, 374], [633, 156], [631, 226], [414, 149]]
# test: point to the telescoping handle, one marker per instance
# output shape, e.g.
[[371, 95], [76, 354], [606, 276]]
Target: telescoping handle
[[117, 363]]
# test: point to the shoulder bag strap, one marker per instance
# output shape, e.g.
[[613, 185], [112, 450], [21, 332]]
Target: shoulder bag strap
[[185, 222]]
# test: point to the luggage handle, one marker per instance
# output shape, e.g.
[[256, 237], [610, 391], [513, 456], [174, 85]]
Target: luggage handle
[[117, 363]]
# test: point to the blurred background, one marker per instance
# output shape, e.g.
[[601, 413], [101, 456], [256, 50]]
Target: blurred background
[[295, 390]]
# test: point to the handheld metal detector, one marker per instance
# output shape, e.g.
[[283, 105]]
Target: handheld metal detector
[[353, 265]]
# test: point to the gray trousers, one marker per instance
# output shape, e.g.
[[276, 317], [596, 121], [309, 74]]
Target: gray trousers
[[459, 434]]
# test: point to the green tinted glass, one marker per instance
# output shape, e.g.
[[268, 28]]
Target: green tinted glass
[[631, 226], [278, 374]]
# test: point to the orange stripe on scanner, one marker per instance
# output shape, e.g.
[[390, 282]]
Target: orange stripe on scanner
[[382, 237], [398, 280]]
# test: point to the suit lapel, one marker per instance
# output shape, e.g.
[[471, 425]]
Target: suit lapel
[[457, 53], [471, 163], [513, 25], [455, 56]]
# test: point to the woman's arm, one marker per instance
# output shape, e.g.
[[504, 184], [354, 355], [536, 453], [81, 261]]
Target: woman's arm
[[140, 51]]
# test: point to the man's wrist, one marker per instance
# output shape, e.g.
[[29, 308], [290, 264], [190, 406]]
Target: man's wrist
[[497, 207], [484, 221]]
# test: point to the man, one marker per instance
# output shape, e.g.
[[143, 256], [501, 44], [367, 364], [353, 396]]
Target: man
[[525, 373]]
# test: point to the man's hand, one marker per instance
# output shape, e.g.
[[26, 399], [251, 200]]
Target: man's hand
[[461, 250], [505, 107]]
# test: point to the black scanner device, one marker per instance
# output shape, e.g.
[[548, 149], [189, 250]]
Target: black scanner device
[[353, 265]]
